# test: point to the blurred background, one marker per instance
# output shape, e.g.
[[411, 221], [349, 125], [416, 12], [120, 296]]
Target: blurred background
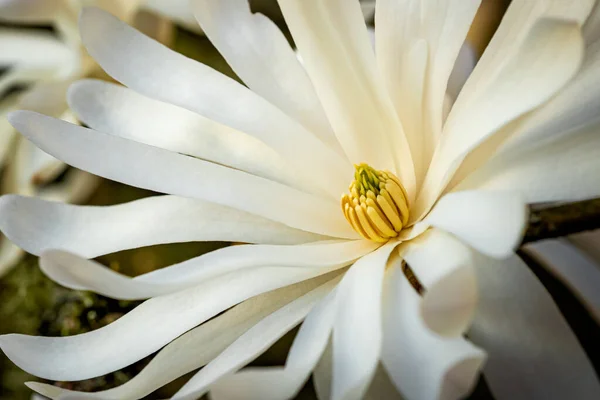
[[32, 304]]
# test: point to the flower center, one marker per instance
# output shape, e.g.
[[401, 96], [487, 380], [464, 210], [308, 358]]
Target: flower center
[[377, 205]]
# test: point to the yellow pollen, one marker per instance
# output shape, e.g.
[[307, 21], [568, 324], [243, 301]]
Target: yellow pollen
[[376, 205]]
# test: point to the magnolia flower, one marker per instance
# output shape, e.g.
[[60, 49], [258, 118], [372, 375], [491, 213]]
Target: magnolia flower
[[408, 285], [48, 64]]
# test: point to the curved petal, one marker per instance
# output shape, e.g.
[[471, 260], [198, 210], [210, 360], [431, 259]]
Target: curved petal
[[144, 330], [571, 266], [334, 44], [255, 341], [160, 170], [566, 170], [493, 222], [156, 71], [284, 382], [37, 225], [533, 354], [122, 112], [528, 78], [418, 93], [176, 10], [38, 52], [261, 56], [445, 268], [422, 364], [81, 274], [357, 327], [195, 348], [29, 11]]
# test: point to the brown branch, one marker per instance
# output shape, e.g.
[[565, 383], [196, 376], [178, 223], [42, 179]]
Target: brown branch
[[563, 220]]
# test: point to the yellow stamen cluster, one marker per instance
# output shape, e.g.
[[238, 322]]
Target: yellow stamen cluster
[[377, 205]]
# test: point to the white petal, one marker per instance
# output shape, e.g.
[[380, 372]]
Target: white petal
[[156, 71], [591, 28], [37, 225], [334, 44], [533, 354], [142, 331], [492, 222], [529, 76], [566, 170], [463, 67], [261, 56], [75, 187], [81, 274], [195, 348], [417, 46], [445, 268], [284, 383], [588, 242], [255, 341], [122, 112], [39, 53], [7, 132], [571, 266], [357, 327], [160, 170], [422, 364]]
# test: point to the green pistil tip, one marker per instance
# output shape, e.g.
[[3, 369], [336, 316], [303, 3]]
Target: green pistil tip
[[367, 179]]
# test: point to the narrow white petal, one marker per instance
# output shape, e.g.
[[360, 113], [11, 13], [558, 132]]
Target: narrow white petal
[[261, 56], [81, 274], [463, 67], [493, 222], [357, 330], [255, 341], [284, 382], [533, 354], [334, 44], [422, 364], [572, 266], [439, 29], [323, 372], [164, 171], [195, 348], [529, 76], [566, 170], [142, 331], [37, 225], [445, 268], [156, 71], [122, 112]]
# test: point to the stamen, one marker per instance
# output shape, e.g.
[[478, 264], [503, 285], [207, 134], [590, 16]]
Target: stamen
[[376, 205]]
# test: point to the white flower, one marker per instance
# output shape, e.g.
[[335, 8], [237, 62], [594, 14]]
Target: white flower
[[267, 163], [48, 63]]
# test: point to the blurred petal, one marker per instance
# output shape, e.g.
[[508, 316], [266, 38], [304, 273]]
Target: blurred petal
[[566, 170], [156, 71], [122, 112], [573, 267], [445, 268], [177, 10], [284, 382], [357, 327], [163, 171], [528, 78], [533, 354], [9, 255], [262, 57], [417, 46], [29, 11], [255, 341], [78, 273], [127, 340], [334, 44], [493, 222], [195, 348], [422, 364], [37, 225]]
